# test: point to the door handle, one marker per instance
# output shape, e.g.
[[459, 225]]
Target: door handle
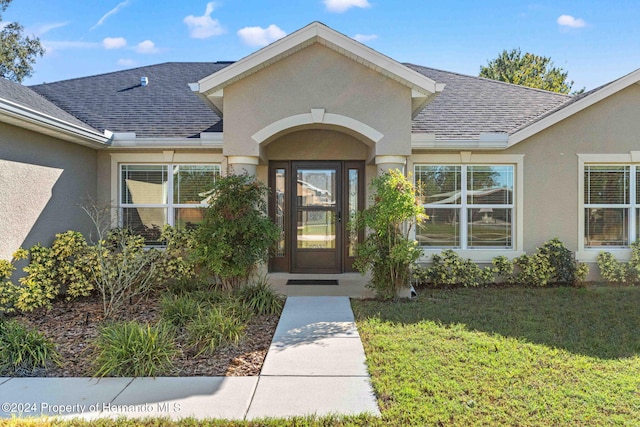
[[339, 216]]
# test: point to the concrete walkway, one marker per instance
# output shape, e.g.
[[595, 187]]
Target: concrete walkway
[[315, 365]]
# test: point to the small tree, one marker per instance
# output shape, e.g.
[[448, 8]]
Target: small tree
[[236, 234], [18, 52], [387, 249], [527, 70]]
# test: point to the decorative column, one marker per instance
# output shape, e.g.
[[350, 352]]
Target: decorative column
[[239, 165], [387, 163]]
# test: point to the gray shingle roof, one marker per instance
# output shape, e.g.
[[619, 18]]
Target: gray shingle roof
[[467, 107], [470, 105], [117, 102], [24, 96]]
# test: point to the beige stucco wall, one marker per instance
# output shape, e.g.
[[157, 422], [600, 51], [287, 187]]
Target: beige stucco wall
[[316, 145], [319, 78], [551, 176], [43, 182]]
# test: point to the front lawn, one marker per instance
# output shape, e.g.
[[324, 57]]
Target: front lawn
[[493, 357], [512, 356]]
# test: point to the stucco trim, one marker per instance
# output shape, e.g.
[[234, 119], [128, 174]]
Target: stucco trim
[[471, 158], [298, 120], [486, 141], [576, 107], [243, 160]]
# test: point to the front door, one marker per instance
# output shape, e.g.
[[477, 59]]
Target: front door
[[313, 203]]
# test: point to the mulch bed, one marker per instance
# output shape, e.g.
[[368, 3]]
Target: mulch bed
[[73, 327]]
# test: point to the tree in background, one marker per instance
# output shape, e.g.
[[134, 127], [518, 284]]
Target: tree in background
[[527, 70], [18, 52]]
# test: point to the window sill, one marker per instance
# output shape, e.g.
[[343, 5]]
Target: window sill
[[591, 254]]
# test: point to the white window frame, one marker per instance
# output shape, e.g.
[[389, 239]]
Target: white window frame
[[631, 159], [464, 159], [166, 158]]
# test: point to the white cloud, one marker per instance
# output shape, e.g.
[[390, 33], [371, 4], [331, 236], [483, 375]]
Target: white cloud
[[339, 6], [45, 28], [51, 46], [365, 37], [258, 36], [111, 13], [114, 42], [570, 21], [126, 62], [203, 27], [147, 46]]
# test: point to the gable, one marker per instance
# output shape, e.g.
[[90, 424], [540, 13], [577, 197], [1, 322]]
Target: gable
[[316, 78]]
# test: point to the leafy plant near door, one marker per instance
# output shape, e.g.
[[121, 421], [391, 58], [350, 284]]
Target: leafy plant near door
[[387, 250], [236, 234]]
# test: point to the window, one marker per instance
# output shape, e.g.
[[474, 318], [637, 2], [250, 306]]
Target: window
[[154, 195], [469, 206], [611, 205]]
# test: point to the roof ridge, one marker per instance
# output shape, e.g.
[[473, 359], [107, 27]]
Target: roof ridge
[[129, 69]]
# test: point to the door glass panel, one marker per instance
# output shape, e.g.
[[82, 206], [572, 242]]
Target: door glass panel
[[281, 210], [316, 230], [353, 211], [316, 187]]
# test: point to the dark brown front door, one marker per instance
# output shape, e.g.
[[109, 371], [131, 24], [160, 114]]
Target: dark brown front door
[[313, 203]]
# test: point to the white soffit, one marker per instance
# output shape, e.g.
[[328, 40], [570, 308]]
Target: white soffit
[[423, 88]]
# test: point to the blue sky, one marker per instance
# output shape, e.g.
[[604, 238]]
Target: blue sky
[[595, 41]]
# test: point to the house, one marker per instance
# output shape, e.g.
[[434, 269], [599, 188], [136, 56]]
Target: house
[[317, 115]]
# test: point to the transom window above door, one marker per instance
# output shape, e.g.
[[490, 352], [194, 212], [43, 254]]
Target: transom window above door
[[154, 195]]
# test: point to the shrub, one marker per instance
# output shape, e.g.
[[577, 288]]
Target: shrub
[[236, 233], [260, 298], [387, 250], [616, 271], [22, 349], [177, 264], [551, 263], [8, 290], [121, 268], [134, 349], [449, 269], [52, 271], [213, 328]]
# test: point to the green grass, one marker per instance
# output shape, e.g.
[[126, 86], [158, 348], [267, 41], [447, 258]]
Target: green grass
[[527, 357], [491, 357]]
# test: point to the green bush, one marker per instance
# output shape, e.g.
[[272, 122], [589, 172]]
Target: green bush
[[214, 327], [260, 298], [22, 349], [135, 350], [551, 263], [51, 271], [121, 268], [387, 249], [616, 271], [450, 269], [235, 234], [8, 290]]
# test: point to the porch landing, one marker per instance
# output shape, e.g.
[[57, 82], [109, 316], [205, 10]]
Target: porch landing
[[349, 285]]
